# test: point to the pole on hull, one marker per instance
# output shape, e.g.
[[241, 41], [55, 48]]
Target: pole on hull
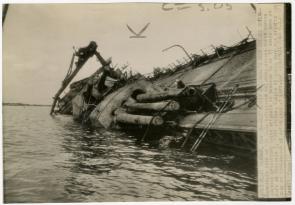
[[157, 96], [165, 95], [90, 50], [65, 83], [123, 117], [157, 106]]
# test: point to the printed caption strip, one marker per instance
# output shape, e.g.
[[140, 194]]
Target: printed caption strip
[[274, 157]]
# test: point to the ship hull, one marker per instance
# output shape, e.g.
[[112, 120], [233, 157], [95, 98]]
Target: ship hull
[[234, 127]]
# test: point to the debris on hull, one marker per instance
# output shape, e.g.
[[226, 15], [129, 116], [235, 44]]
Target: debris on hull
[[211, 94]]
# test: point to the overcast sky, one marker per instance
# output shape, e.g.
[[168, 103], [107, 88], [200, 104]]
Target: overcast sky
[[38, 39]]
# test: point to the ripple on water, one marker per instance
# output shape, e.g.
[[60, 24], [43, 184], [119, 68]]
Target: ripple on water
[[54, 159]]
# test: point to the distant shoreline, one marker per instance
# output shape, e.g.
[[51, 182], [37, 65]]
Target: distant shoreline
[[23, 104]]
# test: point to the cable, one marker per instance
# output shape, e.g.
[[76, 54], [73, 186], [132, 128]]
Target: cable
[[192, 128], [214, 118]]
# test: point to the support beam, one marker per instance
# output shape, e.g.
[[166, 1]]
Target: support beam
[[165, 95], [157, 106], [81, 61], [157, 96], [123, 117]]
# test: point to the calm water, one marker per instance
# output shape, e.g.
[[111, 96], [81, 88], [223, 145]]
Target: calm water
[[57, 160]]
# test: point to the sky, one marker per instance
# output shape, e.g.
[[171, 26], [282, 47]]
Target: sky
[[38, 39]]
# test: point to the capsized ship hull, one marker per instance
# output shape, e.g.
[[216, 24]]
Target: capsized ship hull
[[222, 86]]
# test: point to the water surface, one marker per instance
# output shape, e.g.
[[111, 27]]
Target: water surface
[[54, 159]]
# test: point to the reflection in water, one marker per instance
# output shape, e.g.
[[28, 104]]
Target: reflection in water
[[57, 160]]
